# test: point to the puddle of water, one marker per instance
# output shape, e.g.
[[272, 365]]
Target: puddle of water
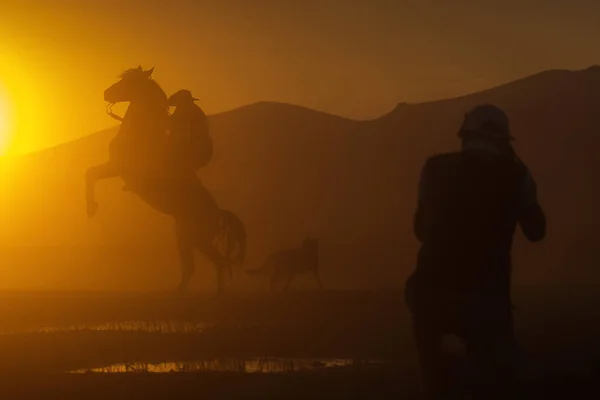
[[122, 326], [256, 365]]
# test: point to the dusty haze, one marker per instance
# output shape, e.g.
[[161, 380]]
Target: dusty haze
[[357, 60], [290, 171]]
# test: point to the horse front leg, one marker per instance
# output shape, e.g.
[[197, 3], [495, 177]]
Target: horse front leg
[[187, 239], [93, 175]]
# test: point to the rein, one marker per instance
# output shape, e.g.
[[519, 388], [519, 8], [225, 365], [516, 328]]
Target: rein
[[113, 115], [110, 112]]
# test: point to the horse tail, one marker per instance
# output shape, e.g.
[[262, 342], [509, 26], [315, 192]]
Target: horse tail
[[235, 237]]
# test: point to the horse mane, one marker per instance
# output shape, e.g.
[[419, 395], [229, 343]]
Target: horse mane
[[130, 72], [159, 93], [156, 92]]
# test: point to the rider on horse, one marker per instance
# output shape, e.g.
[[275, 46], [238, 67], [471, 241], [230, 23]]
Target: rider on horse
[[190, 144], [148, 148]]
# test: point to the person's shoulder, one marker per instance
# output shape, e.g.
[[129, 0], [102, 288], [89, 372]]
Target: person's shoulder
[[443, 160], [198, 110]]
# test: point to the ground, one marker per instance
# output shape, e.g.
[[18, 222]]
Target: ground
[[46, 335]]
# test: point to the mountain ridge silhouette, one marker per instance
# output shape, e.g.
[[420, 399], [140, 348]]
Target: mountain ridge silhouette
[[552, 73]]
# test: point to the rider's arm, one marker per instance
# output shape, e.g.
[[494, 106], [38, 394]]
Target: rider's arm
[[418, 220], [532, 218]]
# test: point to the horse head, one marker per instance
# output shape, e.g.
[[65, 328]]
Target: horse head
[[143, 131], [147, 99], [131, 88]]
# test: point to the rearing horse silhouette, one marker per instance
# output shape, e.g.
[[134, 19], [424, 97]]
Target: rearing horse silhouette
[[138, 154]]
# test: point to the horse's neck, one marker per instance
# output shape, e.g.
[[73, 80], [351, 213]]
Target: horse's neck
[[131, 111], [137, 113], [128, 119], [141, 139], [143, 119]]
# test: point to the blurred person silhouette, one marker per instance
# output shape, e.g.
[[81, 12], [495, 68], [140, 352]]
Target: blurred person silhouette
[[191, 146], [469, 205]]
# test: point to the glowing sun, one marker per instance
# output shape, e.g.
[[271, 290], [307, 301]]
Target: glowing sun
[[4, 121]]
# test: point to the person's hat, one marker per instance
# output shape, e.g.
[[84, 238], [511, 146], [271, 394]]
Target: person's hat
[[486, 120], [182, 96]]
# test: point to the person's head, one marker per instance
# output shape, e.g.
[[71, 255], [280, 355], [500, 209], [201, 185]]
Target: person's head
[[486, 122], [182, 98]]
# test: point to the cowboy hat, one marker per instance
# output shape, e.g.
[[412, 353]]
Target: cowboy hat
[[181, 97]]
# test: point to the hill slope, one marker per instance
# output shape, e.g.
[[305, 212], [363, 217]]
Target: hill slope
[[290, 171]]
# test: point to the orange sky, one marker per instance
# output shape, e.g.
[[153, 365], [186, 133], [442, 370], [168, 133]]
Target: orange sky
[[352, 58]]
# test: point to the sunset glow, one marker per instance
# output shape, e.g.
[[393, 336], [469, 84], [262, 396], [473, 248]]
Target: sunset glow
[[62, 55], [26, 114], [299, 199], [4, 120]]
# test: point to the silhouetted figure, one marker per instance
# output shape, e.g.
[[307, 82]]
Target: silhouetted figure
[[470, 203], [233, 236], [284, 265], [140, 155], [189, 138]]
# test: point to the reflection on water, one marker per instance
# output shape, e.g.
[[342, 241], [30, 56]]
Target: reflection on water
[[121, 326], [256, 365]]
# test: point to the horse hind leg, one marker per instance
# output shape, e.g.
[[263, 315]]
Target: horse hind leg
[[220, 263], [228, 256], [186, 261]]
